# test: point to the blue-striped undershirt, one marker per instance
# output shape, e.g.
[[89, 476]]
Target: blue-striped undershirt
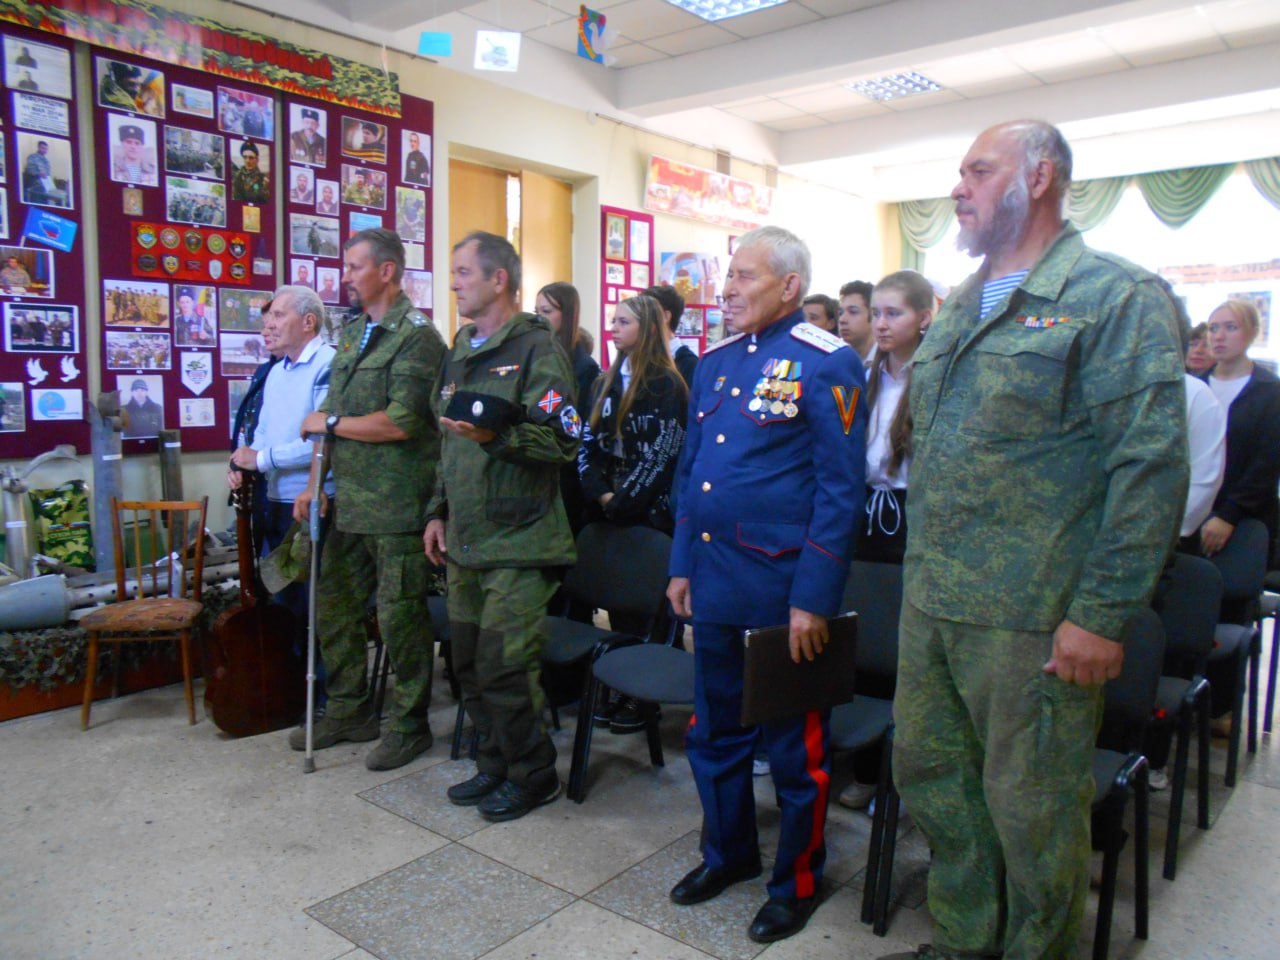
[[368, 332], [994, 291]]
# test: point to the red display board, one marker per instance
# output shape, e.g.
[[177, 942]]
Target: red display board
[[626, 265]]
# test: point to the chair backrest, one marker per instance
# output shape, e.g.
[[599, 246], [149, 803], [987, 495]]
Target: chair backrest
[[620, 569], [1187, 601], [874, 590], [1131, 697], [1243, 561], [154, 550]]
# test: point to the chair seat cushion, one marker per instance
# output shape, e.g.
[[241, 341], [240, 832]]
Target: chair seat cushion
[[1106, 765], [143, 616], [860, 722], [568, 640], [648, 671], [1229, 639]]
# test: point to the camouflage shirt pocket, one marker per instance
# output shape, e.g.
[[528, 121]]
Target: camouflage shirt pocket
[[1021, 381]]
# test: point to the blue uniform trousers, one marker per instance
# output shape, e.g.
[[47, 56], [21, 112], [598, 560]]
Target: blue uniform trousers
[[720, 752]]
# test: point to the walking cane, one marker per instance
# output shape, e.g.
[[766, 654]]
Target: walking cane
[[320, 455]]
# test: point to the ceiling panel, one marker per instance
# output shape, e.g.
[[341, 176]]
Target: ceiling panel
[[518, 15], [562, 36], [970, 68], [837, 8], [867, 108], [634, 54], [691, 41], [1241, 15], [989, 88], [645, 19], [764, 112], [768, 21], [803, 122], [921, 101], [833, 97]]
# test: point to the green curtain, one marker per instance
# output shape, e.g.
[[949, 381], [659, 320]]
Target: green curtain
[[923, 223], [1175, 196], [1265, 174], [1090, 202]]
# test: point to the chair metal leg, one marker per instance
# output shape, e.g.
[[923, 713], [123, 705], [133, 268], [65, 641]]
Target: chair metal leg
[[90, 677], [455, 745], [1182, 747], [880, 924], [1271, 675], [872, 873], [651, 715], [582, 739], [1237, 721], [1203, 742], [184, 644], [1255, 663], [1114, 819], [1141, 850]]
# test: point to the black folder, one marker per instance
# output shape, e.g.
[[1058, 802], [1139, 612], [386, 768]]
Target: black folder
[[774, 686]]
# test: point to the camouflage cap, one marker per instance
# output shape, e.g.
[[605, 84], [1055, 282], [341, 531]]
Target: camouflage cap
[[288, 563]]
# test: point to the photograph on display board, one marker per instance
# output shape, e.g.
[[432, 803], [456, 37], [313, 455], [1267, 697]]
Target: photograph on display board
[[615, 273], [195, 316], [314, 236], [4, 213], [411, 214], [615, 237], [364, 140], [32, 112], [201, 202], [134, 350], [13, 408], [144, 411], [241, 354], [639, 274], [696, 276], [335, 318], [251, 222], [135, 303], [327, 197], [194, 153], [418, 288], [37, 67], [302, 185], [193, 101], [639, 241], [126, 86], [327, 284], [26, 272], [690, 324], [415, 256], [241, 309], [363, 221], [46, 171], [714, 325], [236, 390], [303, 273], [364, 187], [133, 149], [196, 411], [4, 165], [41, 328], [246, 114], [251, 181], [131, 202], [415, 149], [55, 404], [308, 134]]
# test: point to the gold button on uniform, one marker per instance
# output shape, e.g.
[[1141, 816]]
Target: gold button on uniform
[[720, 438], [706, 485], [734, 392], [706, 538]]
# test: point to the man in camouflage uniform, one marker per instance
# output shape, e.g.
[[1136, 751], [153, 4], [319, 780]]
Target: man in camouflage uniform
[[498, 520], [250, 184], [385, 450], [1046, 492]]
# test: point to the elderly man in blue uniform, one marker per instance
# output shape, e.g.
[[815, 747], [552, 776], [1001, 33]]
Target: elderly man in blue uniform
[[770, 486]]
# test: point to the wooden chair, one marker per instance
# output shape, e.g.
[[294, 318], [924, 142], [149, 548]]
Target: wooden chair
[[156, 610]]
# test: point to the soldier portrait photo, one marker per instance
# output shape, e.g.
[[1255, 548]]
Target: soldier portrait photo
[[327, 193], [41, 328], [302, 185], [364, 187], [133, 150], [27, 271], [312, 236], [251, 177], [131, 350], [135, 303], [308, 135], [49, 68], [142, 403], [127, 86], [194, 153], [201, 202], [415, 153], [242, 309], [47, 179], [364, 140], [246, 114]]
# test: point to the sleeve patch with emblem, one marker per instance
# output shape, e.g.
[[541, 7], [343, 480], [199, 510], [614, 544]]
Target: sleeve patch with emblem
[[571, 422], [847, 404], [550, 400]]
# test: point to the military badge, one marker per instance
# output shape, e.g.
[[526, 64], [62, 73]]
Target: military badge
[[239, 248], [217, 243], [718, 384], [170, 238], [238, 271], [550, 400], [505, 369], [571, 422], [215, 269], [847, 404], [170, 263], [146, 236], [447, 392], [193, 240], [194, 266], [1041, 323], [147, 263]]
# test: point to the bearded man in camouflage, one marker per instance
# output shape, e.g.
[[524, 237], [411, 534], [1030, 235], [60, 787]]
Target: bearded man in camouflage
[[386, 445], [1049, 476]]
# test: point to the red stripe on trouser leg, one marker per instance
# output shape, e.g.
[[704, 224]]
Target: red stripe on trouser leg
[[813, 764]]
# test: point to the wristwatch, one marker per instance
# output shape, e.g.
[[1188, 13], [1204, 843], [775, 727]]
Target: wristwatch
[[331, 423]]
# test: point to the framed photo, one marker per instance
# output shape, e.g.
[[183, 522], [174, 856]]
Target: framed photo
[[201, 202], [133, 149], [26, 272], [418, 288], [145, 406], [411, 214], [129, 87], [363, 221], [47, 176], [313, 236], [13, 407], [302, 185], [4, 213], [196, 411], [37, 68], [639, 243], [364, 140], [241, 354], [194, 101], [612, 294], [308, 134], [138, 350], [615, 237], [135, 303], [415, 256], [41, 328], [57, 404], [335, 318], [236, 390], [194, 153], [195, 316], [690, 324], [415, 154], [303, 273], [246, 114], [327, 193], [251, 171], [363, 187], [131, 202], [639, 271], [615, 273], [32, 112], [241, 310], [4, 176], [714, 325], [327, 284]]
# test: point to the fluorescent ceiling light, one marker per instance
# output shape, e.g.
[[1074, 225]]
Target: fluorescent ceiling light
[[894, 87], [713, 10]]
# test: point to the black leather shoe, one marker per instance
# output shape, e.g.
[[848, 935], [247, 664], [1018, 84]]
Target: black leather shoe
[[780, 917], [470, 792], [704, 882], [512, 801]]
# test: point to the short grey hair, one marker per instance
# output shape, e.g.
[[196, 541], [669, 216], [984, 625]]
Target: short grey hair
[[384, 245], [495, 253], [787, 253], [304, 300], [1043, 141]]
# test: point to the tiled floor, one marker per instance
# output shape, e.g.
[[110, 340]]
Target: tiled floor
[[146, 838]]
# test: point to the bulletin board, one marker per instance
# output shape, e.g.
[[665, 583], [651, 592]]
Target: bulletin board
[[43, 370], [626, 267]]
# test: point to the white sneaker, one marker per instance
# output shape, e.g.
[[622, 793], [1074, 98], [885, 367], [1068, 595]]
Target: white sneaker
[[760, 767], [857, 795], [1157, 779]]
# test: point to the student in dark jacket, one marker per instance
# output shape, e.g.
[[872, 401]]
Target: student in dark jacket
[[672, 310]]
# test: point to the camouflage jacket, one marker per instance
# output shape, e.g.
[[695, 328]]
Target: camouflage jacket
[[1050, 468], [501, 500], [384, 487]]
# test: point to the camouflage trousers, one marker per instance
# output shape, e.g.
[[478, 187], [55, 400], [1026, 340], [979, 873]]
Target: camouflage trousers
[[495, 623], [352, 567], [993, 758]]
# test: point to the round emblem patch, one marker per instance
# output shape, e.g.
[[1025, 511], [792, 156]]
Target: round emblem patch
[[217, 243], [170, 238], [147, 263]]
